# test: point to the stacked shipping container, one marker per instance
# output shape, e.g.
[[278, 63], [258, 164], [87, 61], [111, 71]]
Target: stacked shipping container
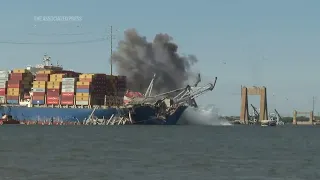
[[39, 92], [4, 76], [115, 90], [19, 84], [43, 75], [54, 89], [121, 82], [91, 89], [68, 90], [40, 87]]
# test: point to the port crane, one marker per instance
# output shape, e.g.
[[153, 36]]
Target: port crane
[[276, 117], [273, 116], [255, 115]]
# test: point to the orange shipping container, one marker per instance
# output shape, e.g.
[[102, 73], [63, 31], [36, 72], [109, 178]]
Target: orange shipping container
[[85, 79], [38, 98], [83, 86], [42, 78]]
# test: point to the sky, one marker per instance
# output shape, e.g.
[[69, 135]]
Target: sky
[[249, 42]]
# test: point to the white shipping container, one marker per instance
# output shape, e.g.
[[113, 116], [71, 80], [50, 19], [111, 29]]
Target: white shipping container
[[67, 90], [73, 83], [69, 79], [39, 90], [67, 87], [2, 99], [82, 103], [4, 79], [4, 75], [4, 72], [3, 86]]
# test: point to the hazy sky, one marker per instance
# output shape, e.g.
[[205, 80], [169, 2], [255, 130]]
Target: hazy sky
[[249, 42]]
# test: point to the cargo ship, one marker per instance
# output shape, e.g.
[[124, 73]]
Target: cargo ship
[[48, 93], [45, 92]]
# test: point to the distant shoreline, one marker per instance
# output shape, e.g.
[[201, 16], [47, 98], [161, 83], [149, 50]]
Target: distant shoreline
[[286, 119]]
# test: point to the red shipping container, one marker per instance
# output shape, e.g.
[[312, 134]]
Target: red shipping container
[[14, 81], [16, 78], [18, 74], [64, 102], [67, 98], [53, 98], [3, 90], [52, 102], [67, 94], [56, 93], [15, 85], [53, 90], [38, 98], [12, 97], [39, 93], [42, 75]]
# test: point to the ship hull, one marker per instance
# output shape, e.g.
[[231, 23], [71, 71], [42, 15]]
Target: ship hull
[[143, 115], [55, 114]]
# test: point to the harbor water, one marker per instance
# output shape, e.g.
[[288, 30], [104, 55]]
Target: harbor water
[[159, 152]]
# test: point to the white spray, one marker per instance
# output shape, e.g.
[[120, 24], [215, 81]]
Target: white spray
[[207, 115]]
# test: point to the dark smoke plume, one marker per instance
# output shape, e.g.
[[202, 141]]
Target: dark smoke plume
[[139, 60]]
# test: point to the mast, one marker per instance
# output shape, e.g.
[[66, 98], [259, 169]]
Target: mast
[[111, 37], [46, 60]]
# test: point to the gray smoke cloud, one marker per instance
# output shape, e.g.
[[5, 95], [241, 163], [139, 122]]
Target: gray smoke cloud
[[139, 59]]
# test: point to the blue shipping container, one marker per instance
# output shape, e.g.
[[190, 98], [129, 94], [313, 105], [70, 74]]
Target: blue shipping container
[[12, 101], [38, 102], [83, 90]]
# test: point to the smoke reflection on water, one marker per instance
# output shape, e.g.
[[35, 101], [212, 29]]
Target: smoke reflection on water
[[203, 115]]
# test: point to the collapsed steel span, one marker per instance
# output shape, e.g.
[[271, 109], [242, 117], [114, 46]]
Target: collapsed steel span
[[161, 109]]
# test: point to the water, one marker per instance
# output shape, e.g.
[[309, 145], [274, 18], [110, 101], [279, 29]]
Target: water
[[159, 152], [204, 115]]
